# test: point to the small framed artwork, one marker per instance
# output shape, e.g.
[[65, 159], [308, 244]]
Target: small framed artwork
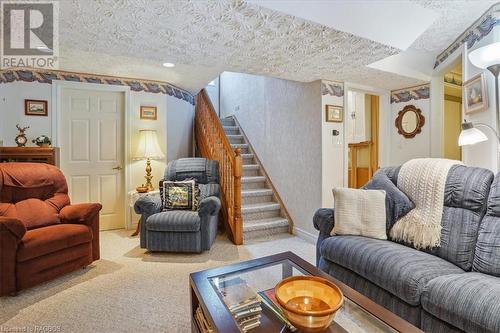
[[148, 112], [34, 107], [475, 94], [334, 113]]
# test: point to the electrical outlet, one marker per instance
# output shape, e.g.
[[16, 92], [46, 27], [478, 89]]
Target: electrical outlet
[[237, 108]]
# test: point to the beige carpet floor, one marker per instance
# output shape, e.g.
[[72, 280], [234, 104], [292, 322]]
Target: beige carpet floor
[[129, 290]]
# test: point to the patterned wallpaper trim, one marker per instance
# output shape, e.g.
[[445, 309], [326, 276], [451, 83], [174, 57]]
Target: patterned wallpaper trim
[[477, 31], [46, 76], [332, 89], [412, 93]]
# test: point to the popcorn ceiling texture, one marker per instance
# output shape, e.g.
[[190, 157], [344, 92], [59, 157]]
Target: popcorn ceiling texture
[[132, 38], [113, 36], [454, 17]]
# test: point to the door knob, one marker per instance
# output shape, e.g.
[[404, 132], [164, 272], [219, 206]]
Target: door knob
[[117, 168]]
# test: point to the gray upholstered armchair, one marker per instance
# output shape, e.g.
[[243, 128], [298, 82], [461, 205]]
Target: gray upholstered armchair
[[181, 230]]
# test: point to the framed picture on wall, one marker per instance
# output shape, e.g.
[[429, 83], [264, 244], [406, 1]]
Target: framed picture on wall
[[334, 113], [148, 112], [34, 107], [475, 96]]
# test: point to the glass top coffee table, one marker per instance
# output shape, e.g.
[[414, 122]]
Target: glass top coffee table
[[359, 314]]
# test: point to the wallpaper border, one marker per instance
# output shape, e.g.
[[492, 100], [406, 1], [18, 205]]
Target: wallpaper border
[[332, 89], [46, 76], [411, 93], [477, 31]]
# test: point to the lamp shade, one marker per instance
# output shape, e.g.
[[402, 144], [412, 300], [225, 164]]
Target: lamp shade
[[470, 135], [148, 146], [486, 56]]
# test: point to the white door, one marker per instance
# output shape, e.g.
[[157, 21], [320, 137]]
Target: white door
[[92, 148]]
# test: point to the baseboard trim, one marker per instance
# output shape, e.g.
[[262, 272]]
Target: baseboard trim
[[305, 235]]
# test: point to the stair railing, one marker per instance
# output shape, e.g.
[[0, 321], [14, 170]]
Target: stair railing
[[213, 144]]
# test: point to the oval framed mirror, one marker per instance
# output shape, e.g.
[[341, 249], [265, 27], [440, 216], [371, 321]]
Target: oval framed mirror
[[410, 121]]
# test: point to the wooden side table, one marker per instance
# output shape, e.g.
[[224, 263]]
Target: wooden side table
[[132, 198]]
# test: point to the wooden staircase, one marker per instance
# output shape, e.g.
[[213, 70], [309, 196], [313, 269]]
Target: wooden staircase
[[262, 211], [251, 207]]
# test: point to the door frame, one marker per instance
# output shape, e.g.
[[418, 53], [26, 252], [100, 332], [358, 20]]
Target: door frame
[[57, 87], [383, 119]]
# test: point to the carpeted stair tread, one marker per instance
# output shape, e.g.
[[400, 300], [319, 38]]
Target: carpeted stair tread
[[251, 167], [260, 207], [253, 179], [256, 192], [239, 145], [276, 222]]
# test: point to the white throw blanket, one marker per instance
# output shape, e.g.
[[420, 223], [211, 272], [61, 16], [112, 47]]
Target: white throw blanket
[[423, 180]]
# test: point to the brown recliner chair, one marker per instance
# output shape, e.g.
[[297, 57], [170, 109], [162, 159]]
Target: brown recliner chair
[[42, 235]]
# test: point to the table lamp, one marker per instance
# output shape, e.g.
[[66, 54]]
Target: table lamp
[[148, 150]]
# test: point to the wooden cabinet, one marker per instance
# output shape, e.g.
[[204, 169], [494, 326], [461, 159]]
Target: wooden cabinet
[[47, 155]]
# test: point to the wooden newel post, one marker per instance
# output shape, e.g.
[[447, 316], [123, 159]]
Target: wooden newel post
[[238, 222]]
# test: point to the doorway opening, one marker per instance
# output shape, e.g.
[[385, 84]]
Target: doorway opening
[[452, 115], [362, 137]]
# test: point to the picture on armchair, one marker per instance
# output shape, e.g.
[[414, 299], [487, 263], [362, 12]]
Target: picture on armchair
[[180, 195]]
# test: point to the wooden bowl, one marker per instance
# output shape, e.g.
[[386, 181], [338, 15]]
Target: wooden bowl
[[309, 302]]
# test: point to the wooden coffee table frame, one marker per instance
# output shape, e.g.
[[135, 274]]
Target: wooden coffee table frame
[[203, 294]]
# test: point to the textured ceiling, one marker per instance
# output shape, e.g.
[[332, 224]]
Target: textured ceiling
[[203, 38], [455, 16]]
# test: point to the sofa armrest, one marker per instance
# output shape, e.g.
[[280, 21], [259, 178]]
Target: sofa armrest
[[14, 226], [79, 213], [148, 205], [209, 206], [323, 220], [11, 232]]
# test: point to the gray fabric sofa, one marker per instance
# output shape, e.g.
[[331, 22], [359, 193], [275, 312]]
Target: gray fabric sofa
[[181, 230], [452, 288]]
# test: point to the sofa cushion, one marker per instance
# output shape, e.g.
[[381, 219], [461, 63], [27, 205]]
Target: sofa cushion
[[174, 220], [487, 255], [397, 204], [401, 270], [469, 301], [35, 213], [202, 170], [359, 212], [466, 193], [41, 241], [20, 181]]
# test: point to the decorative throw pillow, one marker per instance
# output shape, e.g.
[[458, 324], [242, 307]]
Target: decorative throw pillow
[[359, 212], [397, 204], [180, 195]]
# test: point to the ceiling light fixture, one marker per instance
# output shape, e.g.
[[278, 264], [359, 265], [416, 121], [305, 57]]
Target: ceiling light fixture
[[168, 64]]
